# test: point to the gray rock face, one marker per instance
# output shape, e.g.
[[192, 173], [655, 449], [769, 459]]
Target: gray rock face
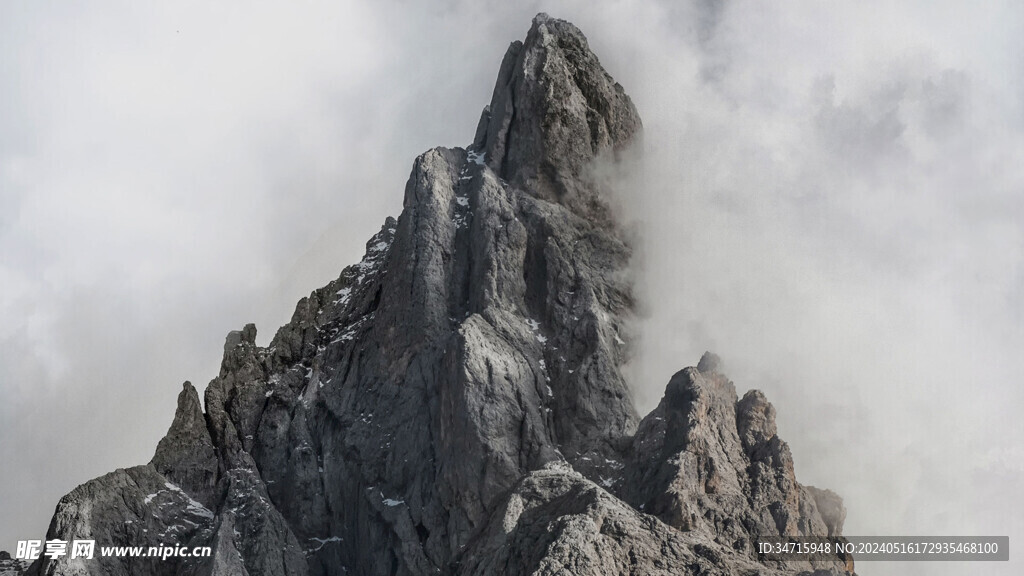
[[454, 403], [186, 456], [573, 111], [709, 464], [10, 566]]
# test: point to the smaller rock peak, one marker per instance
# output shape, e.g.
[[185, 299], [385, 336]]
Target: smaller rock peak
[[235, 338], [709, 363], [190, 411], [681, 389], [185, 455], [755, 419]]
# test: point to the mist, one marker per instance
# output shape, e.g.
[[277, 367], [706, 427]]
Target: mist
[[831, 197]]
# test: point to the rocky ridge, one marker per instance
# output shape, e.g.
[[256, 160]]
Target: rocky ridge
[[454, 403], [10, 566]]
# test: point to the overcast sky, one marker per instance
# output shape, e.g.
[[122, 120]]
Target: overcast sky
[[832, 198]]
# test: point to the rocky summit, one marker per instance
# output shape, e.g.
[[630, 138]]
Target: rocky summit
[[10, 566], [454, 403]]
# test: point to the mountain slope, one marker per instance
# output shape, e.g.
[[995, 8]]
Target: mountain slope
[[453, 403]]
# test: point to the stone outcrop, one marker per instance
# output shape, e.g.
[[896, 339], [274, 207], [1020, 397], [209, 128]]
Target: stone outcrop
[[554, 110], [10, 566], [708, 463], [454, 403], [186, 455]]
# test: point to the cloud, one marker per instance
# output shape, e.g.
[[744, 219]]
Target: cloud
[[830, 199], [845, 230]]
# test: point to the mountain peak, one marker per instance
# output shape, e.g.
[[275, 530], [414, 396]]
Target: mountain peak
[[553, 111], [455, 403]]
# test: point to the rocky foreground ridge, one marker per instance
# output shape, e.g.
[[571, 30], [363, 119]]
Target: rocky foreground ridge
[[453, 404]]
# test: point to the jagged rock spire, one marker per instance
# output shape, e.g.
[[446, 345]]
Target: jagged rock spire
[[553, 111], [186, 455]]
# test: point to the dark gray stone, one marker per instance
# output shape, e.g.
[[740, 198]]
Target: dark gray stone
[[186, 455], [554, 110]]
